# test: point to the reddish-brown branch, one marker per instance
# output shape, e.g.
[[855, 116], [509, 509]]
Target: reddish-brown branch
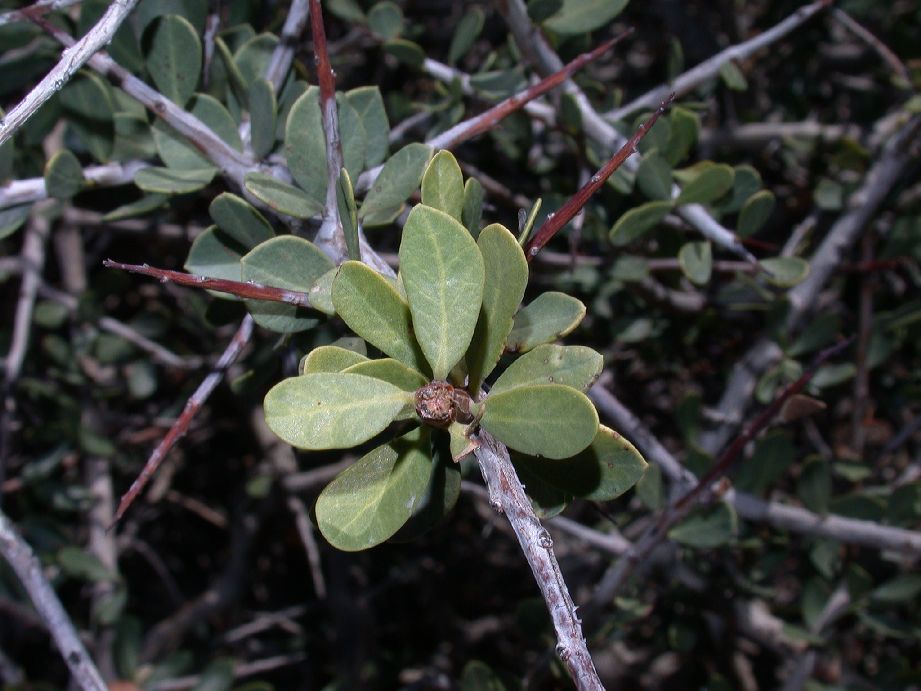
[[557, 221], [192, 406], [492, 117], [248, 290]]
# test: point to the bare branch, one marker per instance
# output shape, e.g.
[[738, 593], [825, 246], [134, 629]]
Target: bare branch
[[291, 31], [25, 14], [865, 35], [72, 59], [30, 190], [28, 569]]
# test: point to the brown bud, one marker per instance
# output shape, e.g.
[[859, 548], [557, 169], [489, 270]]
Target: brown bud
[[435, 403]]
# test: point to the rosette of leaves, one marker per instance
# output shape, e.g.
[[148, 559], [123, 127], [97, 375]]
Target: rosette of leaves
[[442, 327]]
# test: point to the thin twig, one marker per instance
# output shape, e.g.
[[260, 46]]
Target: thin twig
[[250, 291], [41, 7], [574, 204], [710, 68], [291, 31], [16, 192], [865, 35], [19, 555], [242, 669], [507, 494], [192, 406], [72, 59]]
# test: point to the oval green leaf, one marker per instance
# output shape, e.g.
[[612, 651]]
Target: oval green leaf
[[755, 212], [407, 52], [580, 16], [506, 271], [638, 221], [281, 197], [707, 528], [353, 136], [706, 182], [575, 366], [170, 181], [174, 58], [241, 221], [654, 177], [263, 109], [696, 261], [549, 420], [305, 146], [786, 272], [386, 19], [442, 271], [373, 309], [372, 499], [63, 175], [329, 358], [284, 262], [331, 410], [216, 255], [369, 105], [348, 213], [472, 214], [549, 317], [603, 471], [396, 373], [443, 185], [397, 181]]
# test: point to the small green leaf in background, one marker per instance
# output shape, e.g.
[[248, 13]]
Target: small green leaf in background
[[329, 358], [262, 114], [12, 219], [539, 10], [469, 27], [603, 471], [369, 106], [283, 198], [704, 183], [63, 175], [77, 563], [902, 589], [373, 309], [696, 261], [506, 277], [354, 139], [829, 195], [386, 20], [331, 410], [683, 134], [372, 499], [442, 271], [170, 181], [747, 181], [348, 10], [580, 16], [707, 528], [549, 420], [174, 58], [139, 207], [755, 212], [732, 76], [407, 52], [348, 213], [443, 185], [814, 485], [472, 214], [218, 676], [305, 146], [785, 272], [398, 180], [288, 262], [550, 316], [638, 221], [575, 366], [477, 676], [654, 177], [241, 221]]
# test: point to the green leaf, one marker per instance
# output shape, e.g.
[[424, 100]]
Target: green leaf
[[63, 175], [443, 185], [252, 57], [242, 222], [442, 271], [682, 135], [638, 221], [708, 528], [348, 214], [549, 317], [755, 213], [696, 261], [732, 76], [902, 589], [139, 207], [262, 115], [329, 358], [539, 10], [369, 105], [281, 197], [407, 52], [77, 563], [12, 219], [353, 136], [814, 485], [469, 27], [549, 420], [747, 181], [305, 146], [786, 272], [575, 366], [581, 16], [132, 139], [331, 410], [321, 293], [369, 501], [170, 181], [546, 499], [705, 183], [392, 371], [654, 177], [607, 468], [177, 152], [373, 309], [398, 180], [217, 255], [506, 272], [284, 262], [440, 496], [218, 676], [386, 20], [174, 58], [89, 97], [472, 214]]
